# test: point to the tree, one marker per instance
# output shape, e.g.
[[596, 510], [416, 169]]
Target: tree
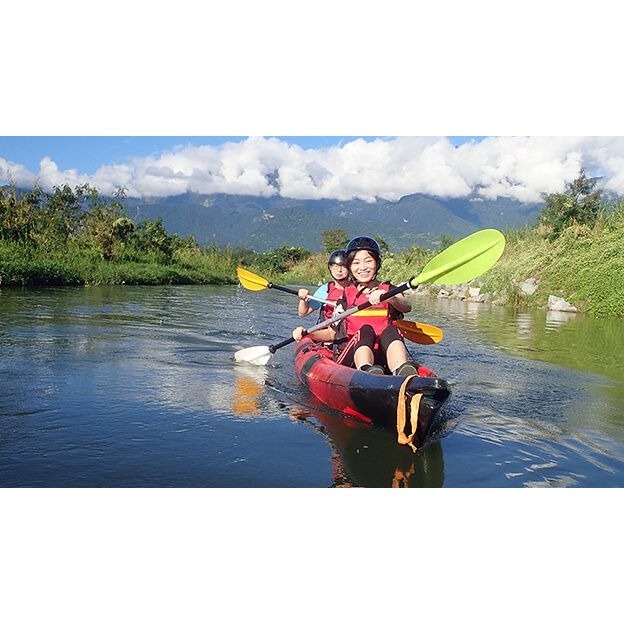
[[383, 245], [334, 239], [579, 204], [446, 240], [106, 222]]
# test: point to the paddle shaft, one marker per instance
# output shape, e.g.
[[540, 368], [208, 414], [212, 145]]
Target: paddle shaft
[[367, 304], [294, 292]]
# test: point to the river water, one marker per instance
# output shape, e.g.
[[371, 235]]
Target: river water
[[137, 387]]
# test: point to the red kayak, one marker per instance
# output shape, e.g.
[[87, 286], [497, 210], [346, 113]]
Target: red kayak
[[408, 405]]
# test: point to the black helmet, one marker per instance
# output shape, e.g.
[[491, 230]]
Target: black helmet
[[364, 242], [337, 257]]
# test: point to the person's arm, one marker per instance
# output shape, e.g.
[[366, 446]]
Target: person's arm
[[304, 307], [307, 306], [322, 335], [399, 302]]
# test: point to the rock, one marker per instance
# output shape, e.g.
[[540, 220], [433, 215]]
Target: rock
[[529, 286], [560, 305]]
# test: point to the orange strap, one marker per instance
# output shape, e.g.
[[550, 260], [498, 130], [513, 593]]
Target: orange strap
[[402, 477], [405, 403]]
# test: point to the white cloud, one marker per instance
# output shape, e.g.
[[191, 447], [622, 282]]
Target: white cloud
[[519, 167], [15, 173]]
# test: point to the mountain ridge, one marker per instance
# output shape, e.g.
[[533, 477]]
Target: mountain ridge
[[264, 223]]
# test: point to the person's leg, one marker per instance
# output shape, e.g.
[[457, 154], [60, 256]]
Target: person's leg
[[393, 346], [364, 354], [359, 353]]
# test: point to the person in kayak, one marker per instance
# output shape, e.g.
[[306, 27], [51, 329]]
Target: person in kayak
[[369, 340], [332, 291]]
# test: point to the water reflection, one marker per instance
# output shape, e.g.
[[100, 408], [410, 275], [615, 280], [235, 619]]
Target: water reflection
[[575, 341], [556, 318], [248, 390], [362, 455], [368, 456], [138, 386]]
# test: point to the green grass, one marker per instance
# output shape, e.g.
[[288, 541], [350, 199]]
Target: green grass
[[585, 266], [25, 265]]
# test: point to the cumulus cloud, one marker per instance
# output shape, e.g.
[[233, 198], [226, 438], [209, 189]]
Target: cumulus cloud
[[522, 168]]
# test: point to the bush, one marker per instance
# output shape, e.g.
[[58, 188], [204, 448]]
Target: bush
[[281, 259], [579, 204]]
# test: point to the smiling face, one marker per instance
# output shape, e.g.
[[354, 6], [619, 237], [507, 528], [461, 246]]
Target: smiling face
[[364, 266], [339, 272]]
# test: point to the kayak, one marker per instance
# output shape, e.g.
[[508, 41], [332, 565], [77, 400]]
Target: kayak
[[408, 405]]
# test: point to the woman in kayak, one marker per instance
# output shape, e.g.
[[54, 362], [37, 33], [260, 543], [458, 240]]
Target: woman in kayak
[[369, 339], [332, 291]]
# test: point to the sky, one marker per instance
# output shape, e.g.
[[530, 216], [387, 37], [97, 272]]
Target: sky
[[314, 166]]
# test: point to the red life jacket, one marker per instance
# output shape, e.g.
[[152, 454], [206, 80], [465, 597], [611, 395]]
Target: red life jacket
[[333, 294], [378, 316]]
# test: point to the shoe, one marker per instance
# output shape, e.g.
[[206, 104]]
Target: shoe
[[407, 368], [375, 369]]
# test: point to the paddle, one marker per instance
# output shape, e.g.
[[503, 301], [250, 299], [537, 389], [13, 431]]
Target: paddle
[[251, 281], [420, 333], [459, 263]]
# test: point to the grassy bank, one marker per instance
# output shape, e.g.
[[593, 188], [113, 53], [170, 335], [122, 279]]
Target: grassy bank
[[76, 237], [24, 265], [584, 265]]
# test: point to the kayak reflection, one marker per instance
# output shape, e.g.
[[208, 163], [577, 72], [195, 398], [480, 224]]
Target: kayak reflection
[[363, 455], [248, 390], [369, 456]]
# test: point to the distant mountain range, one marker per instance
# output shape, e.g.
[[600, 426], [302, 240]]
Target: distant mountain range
[[262, 223]]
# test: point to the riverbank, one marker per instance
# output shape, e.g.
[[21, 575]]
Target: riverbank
[[76, 237], [24, 265], [584, 266]]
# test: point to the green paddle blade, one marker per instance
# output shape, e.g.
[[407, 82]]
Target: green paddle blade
[[466, 259]]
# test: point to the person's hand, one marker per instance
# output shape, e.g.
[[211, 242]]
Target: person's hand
[[375, 297], [303, 294], [298, 333]]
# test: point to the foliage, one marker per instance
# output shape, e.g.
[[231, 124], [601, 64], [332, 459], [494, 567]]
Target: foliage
[[73, 237], [583, 265], [446, 241], [281, 259], [579, 204], [334, 239], [76, 236], [383, 245]]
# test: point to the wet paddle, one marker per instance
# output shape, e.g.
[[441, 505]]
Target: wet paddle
[[251, 281], [420, 333], [459, 263]]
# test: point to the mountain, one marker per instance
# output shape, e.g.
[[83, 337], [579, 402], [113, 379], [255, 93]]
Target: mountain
[[264, 223]]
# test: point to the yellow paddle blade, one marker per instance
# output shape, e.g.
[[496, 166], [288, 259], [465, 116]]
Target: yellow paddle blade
[[250, 280], [420, 333]]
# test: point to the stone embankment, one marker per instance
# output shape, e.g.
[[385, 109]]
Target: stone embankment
[[472, 293]]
